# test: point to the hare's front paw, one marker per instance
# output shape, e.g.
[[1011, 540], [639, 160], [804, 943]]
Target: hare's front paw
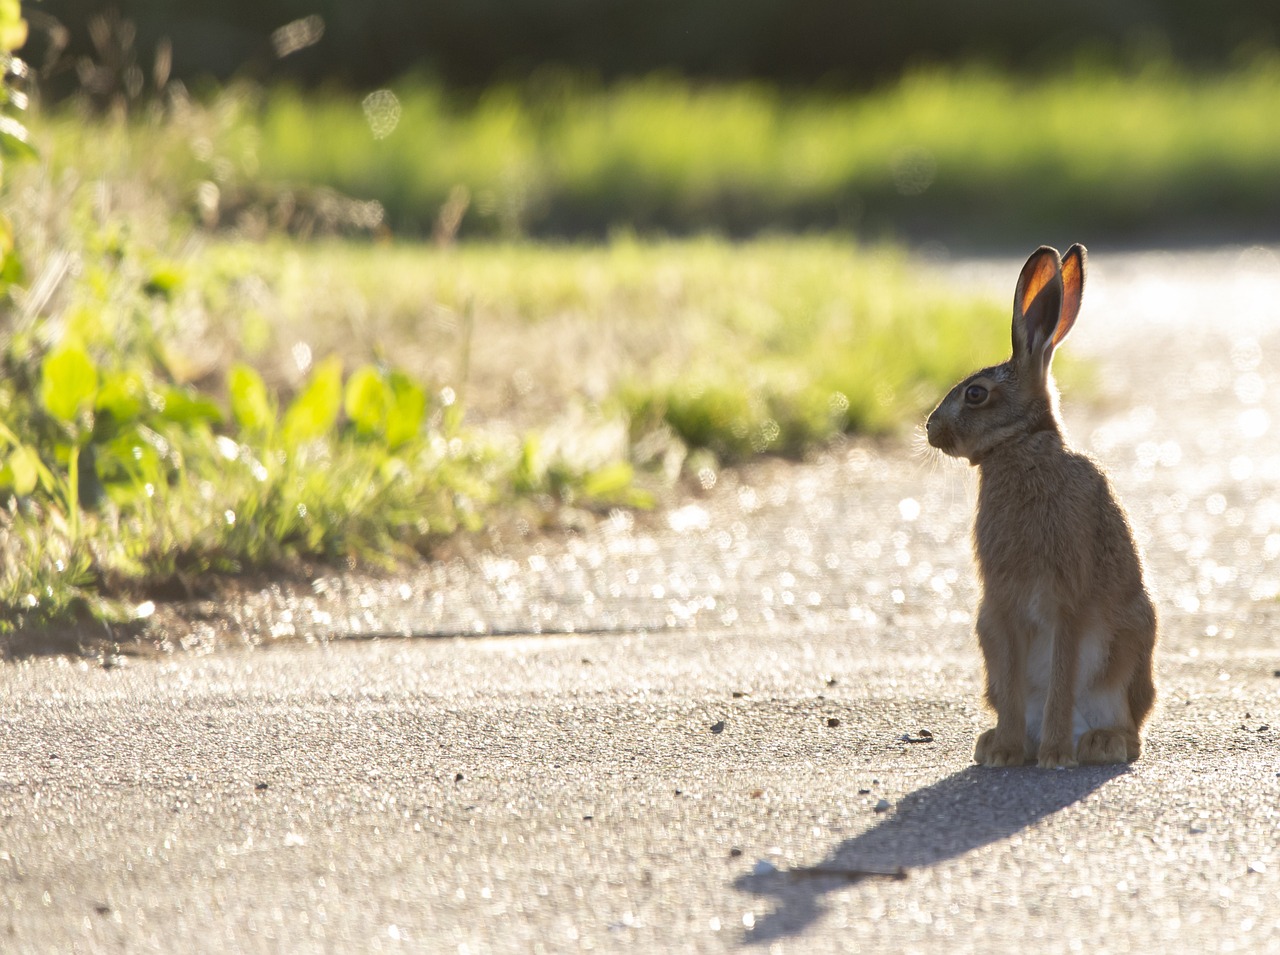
[[988, 753], [1056, 756], [1105, 746]]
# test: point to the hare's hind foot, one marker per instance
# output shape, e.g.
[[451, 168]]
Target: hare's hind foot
[[988, 753], [1108, 746]]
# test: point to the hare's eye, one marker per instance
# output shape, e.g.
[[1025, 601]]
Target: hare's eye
[[975, 395]]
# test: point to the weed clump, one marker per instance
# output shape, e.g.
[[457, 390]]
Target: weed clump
[[133, 464]]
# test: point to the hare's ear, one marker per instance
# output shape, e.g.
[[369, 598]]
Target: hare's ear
[[1073, 275], [1037, 307]]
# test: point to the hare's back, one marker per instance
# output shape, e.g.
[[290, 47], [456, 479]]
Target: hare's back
[[1053, 517], [1114, 555]]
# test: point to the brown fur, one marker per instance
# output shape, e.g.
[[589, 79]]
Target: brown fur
[[1063, 598]]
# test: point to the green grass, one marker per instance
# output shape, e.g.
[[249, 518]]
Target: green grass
[[774, 345], [968, 153], [139, 456], [144, 458]]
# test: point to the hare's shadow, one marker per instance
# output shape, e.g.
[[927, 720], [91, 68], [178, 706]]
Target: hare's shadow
[[950, 818]]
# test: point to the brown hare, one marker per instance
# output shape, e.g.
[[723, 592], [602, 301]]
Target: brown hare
[[1065, 623]]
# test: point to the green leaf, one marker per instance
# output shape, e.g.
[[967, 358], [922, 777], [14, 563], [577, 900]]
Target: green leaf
[[11, 270], [14, 139], [314, 412], [530, 472], [123, 395], [13, 29], [164, 281], [368, 400], [68, 382], [185, 408], [609, 483], [407, 412], [25, 465], [132, 459], [251, 404]]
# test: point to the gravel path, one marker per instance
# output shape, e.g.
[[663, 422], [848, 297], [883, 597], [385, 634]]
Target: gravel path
[[757, 715]]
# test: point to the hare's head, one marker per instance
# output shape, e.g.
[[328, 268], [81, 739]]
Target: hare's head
[[1014, 399]]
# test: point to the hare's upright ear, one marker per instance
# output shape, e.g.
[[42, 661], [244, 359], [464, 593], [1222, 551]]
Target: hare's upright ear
[[1073, 275], [1037, 308]]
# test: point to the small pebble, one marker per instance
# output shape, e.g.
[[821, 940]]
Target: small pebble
[[867, 792], [883, 805], [735, 852], [459, 778], [1257, 868], [832, 722], [717, 727], [260, 786]]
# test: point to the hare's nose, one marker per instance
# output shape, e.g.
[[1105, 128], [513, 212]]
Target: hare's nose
[[935, 432]]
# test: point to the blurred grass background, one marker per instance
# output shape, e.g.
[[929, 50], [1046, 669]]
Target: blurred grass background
[[967, 156]]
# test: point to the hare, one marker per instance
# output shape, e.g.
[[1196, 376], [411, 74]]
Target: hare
[[1066, 626]]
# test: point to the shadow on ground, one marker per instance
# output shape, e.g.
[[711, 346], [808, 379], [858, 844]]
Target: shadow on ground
[[948, 819]]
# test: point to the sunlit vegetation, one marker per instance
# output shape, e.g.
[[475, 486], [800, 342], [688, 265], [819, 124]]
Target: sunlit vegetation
[[967, 153], [409, 392], [768, 346], [141, 454]]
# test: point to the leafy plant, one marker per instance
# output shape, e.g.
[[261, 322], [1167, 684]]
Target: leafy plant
[[14, 138], [120, 478]]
